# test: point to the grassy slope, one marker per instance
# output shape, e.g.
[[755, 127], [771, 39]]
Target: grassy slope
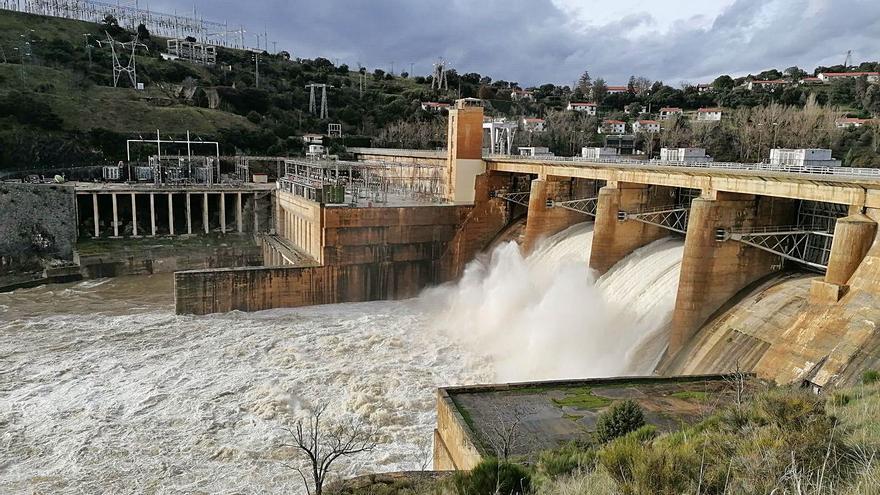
[[119, 109]]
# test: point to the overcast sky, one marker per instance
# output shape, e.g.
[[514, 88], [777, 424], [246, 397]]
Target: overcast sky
[[537, 41]]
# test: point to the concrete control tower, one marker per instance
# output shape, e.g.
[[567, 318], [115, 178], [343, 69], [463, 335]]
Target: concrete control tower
[[465, 155]]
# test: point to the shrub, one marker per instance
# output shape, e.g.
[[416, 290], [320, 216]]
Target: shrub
[[870, 377], [493, 476], [840, 399], [620, 419], [565, 460]]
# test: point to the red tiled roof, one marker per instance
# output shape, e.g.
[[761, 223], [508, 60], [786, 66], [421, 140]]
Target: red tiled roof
[[670, 109], [582, 104], [853, 120], [648, 122], [771, 81], [617, 88], [609, 121], [706, 110]]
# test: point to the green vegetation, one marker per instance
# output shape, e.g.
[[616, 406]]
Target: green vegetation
[[870, 377], [581, 398], [620, 419], [493, 476], [780, 441], [80, 119]]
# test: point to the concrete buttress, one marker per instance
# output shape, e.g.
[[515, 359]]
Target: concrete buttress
[[614, 240], [713, 271], [543, 222]]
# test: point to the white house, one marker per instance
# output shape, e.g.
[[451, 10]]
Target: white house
[[830, 76], [313, 139], [803, 157], [847, 122], [588, 108], [433, 106], [649, 126], [709, 114], [667, 113], [610, 126], [533, 125], [521, 95], [599, 153], [315, 150], [684, 155]]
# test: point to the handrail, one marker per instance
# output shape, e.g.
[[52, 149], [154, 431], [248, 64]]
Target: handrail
[[783, 229], [759, 167]]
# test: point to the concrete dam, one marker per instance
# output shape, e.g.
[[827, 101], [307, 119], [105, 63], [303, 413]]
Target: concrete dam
[[776, 269], [463, 268]]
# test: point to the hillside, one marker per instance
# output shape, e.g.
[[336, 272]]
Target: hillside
[[58, 108]]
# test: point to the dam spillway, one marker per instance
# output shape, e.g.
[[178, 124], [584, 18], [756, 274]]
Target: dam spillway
[[106, 388]]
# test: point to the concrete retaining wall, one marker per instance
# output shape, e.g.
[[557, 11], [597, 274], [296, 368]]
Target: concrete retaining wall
[[453, 448], [167, 261], [255, 289], [368, 254]]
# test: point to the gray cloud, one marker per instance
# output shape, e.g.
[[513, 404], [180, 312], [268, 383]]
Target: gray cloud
[[533, 41]]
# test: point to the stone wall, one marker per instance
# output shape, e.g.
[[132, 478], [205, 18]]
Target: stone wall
[[37, 220]]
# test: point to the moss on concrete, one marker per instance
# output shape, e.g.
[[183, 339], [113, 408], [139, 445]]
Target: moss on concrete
[[582, 398]]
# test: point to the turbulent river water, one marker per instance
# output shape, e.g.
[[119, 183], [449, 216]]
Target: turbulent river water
[[104, 390]]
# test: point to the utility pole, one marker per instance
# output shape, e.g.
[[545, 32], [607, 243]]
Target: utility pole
[[257, 68], [275, 47], [411, 66], [88, 49]]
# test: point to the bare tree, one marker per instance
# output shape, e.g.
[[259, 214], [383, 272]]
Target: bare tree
[[424, 454], [504, 430], [737, 380], [320, 443]]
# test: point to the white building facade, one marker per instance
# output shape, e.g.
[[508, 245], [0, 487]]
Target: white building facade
[[812, 157], [599, 153], [647, 126], [587, 108], [709, 115], [687, 155]]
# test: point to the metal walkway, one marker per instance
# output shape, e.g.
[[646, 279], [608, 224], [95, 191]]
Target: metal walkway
[[587, 206], [810, 247], [670, 217], [520, 198]]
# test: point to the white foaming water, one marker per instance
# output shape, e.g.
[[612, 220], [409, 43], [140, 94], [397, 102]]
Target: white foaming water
[[103, 389], [545, 317]]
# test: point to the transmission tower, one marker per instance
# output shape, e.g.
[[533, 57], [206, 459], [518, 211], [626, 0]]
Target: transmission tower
[[130, 68], [439, 81], [848, 60], [313, 107]]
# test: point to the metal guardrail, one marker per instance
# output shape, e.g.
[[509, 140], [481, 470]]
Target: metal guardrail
[[752, 167], [399, 152]]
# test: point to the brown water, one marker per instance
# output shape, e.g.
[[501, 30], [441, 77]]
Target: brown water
[[104, 390]]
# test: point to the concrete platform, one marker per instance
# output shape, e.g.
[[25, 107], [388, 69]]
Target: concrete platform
[[551, 414]]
